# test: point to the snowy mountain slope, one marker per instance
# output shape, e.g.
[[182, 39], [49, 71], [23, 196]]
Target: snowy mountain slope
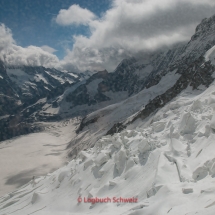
[[8, 95], [133, 75], [23, 86], [198, 74], [103, 88], [36, 82], [24, 90], [110, 119], [156, 65], [189, 62], [200, 42], [98, 123], [117, 117], [166, 163], [82, 98], [31, 84], [88, 92]]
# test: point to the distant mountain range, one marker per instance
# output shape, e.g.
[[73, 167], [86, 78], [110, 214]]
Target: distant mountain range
[[33, 94]]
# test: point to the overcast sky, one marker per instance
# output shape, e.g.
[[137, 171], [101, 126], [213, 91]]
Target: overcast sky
[[96, 35]]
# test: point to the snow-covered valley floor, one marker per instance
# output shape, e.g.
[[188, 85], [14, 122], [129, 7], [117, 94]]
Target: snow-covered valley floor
[[167, 162], [35, 154]]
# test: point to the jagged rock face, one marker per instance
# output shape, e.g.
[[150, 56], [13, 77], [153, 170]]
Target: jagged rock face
[[22, 87], [33, 83], [200, 42], [197, 73], [133, 75], [186, 59], [89, 93], [5, 86], [14, 125], [130, 76], [182, 56], [190, 63], [128, 73], [9, 100]]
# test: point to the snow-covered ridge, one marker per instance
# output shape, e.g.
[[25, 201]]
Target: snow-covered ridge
[[210, 55], [199, 74], [167, 163], [200, 42], [29, 77], [122, 110]]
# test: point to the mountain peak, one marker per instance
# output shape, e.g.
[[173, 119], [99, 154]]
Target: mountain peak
[[206, 27]]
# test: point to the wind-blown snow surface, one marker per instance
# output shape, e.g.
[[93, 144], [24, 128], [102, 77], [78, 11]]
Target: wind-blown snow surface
[[166, 162]]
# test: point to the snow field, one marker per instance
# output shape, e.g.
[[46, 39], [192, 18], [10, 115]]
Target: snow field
[[168, 166]]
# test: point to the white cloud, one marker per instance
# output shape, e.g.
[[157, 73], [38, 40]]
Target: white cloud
[[13, 54], [75, 15], [128, 28], [48, 49], [6, 38], [31, 56], [132, 26]]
